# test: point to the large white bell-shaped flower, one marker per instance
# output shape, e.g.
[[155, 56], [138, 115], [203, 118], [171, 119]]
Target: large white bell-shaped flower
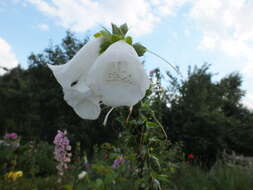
[[78, 66], [84, 102], [72, 77], [118, 76]]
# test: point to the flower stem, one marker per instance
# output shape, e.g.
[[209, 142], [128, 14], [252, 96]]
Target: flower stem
[[173, 67], [160, 125]]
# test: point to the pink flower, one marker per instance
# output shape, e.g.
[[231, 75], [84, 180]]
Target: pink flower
[[11, 136], [61, 151]]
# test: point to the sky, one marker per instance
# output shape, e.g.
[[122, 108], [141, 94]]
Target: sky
[[185, 32]]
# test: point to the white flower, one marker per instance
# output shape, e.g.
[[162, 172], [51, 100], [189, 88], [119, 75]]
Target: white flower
[[82, 175], [118, 76], [83, 100], [79, 66], [72, 77]]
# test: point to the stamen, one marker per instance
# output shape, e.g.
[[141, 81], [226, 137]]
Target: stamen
[[106, 117], [129, 114]]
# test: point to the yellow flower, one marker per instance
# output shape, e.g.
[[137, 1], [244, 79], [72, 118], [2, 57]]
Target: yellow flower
[[14, 175], [17, 175], [9, 175]]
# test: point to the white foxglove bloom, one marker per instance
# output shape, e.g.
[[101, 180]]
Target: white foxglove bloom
[[118, 76], [72, 77], [78, 66], [82, 100]]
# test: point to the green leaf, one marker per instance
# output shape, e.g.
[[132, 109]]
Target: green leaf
[[68, 187], [140, 49], [154, 139], [116, 38], [155, 161], [99, 182], [106, 34], [98, 34], [124, 29], [150, 124], [110, 177], [157, 185], [129, 40], [116, 30], [163, 178], [104, 46]]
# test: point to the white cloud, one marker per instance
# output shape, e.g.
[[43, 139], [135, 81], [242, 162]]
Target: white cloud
[[248, 101], [227, 27], [43, 27], [80, 15], [7, 57]]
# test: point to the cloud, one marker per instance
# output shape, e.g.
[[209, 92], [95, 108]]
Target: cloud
[[43, 27], [80, 15], [248, 101], [227, 27], [7, 57]]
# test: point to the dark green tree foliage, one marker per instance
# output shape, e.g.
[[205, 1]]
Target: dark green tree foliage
[[32, 104], [207, 116]]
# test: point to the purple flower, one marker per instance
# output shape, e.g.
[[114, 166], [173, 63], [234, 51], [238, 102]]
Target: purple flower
[[11, 136], [61, 151], [118, 162]]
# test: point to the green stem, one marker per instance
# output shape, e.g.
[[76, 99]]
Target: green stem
[[155, 54], [75, 183], [160, 125]]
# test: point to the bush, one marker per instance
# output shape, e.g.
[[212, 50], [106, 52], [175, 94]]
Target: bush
[[36, 159]]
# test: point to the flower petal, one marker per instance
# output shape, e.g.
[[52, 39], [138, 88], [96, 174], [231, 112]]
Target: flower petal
[[83, 101], [118, 76], [78, 66], [88, 109], [73, 95], [72, 77]]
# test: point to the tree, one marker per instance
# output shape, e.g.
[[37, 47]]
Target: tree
[[208, 117]]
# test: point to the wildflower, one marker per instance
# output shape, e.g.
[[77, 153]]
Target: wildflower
[[11, 136], [61, 151], [82, 175], [118, 162], [115, 78], [190, 156], [118, 77], [72, 77], [11, 139], [14, 175]]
